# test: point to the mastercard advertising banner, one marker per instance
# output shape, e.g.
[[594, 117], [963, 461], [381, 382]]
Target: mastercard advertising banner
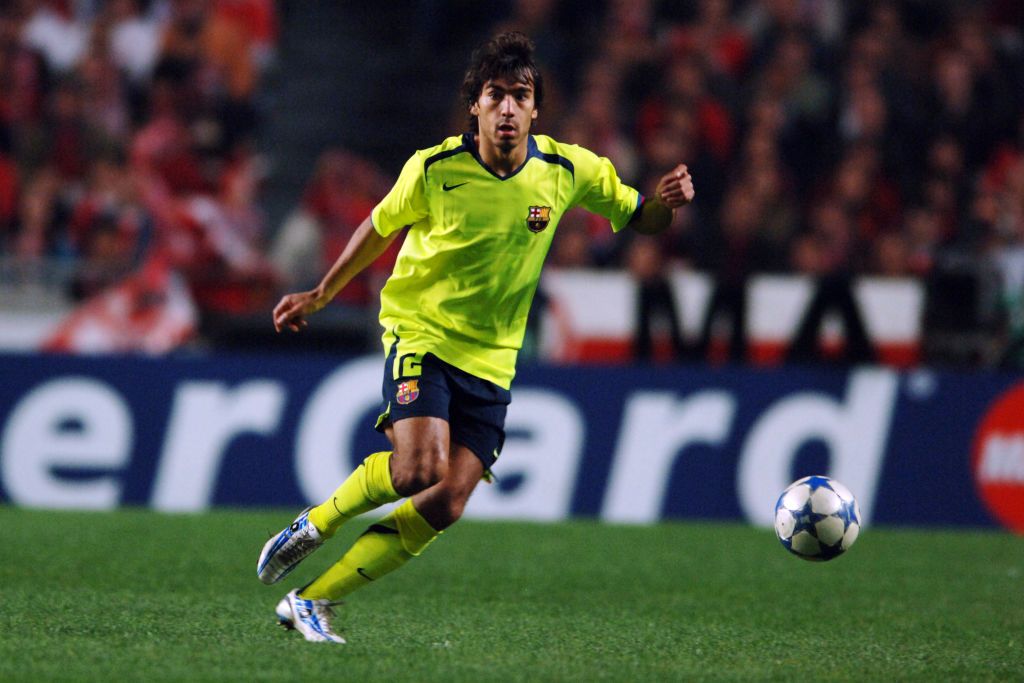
[[623, 444]]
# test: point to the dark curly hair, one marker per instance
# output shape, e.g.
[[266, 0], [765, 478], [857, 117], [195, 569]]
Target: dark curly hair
[[507, 55]]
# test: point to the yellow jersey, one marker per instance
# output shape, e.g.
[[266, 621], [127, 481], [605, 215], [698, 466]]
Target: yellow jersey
[[465, 277]]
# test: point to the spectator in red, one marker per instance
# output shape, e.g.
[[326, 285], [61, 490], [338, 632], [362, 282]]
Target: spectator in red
[[257, 22], [9, 188], [686, 88], [723, 45]]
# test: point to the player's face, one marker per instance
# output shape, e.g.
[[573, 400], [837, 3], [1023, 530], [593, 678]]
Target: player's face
[[504, 111]]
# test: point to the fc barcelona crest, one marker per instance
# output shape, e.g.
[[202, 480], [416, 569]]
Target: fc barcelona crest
[[538, 218], [408, 391]]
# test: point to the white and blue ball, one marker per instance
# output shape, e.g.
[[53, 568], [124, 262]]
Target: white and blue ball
[[817, 518]]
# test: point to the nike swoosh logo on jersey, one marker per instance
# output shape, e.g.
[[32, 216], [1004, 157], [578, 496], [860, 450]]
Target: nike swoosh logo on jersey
[[448, 188]]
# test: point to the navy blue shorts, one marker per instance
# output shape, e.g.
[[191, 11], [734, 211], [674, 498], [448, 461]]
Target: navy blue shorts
[[423, 385]]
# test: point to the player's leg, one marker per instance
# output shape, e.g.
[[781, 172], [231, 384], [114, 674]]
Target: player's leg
[[476, 420], [442, 505], [416, 394], [367, 488], [423, 453], [404, 533], [386, 476], [418, 461], [420, 458], [384, 547]]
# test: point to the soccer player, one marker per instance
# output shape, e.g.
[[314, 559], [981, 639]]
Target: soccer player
[[479, 210]]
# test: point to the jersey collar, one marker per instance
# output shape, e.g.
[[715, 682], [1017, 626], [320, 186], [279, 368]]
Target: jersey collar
[[470, 144]]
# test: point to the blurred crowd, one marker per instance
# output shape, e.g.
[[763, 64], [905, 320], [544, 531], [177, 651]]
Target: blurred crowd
[[127, 133], [826, 137]]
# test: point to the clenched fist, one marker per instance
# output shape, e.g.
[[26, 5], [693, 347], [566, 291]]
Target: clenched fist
[[675, 188]]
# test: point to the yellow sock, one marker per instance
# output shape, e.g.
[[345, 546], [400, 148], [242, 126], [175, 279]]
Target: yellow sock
[[382, 548], [365, 489]]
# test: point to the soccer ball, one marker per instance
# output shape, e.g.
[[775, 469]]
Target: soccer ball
[[817, 518]]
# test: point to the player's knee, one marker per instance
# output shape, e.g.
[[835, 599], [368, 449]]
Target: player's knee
[[455, 508], [418, 468], [448, 510]]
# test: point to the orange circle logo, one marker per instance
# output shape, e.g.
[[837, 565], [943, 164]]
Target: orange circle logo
[[998, 459]]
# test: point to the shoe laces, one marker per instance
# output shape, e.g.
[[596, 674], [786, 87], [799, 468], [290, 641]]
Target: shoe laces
[[324, 612], [301, 544]]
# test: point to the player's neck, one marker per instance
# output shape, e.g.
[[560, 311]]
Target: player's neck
[[503, 162]]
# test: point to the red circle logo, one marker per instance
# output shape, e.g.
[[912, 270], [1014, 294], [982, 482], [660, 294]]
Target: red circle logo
[[998, 459]]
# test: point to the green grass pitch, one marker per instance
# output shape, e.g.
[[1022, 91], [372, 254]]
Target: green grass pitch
[[136, 595]]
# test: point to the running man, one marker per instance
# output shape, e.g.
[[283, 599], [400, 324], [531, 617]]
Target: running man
[[480, 210]]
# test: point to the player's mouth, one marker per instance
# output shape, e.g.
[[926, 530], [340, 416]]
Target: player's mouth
[[506, 130]]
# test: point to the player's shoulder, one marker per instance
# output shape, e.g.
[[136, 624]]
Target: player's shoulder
[[449, 147], [549, 145], [578, 157]]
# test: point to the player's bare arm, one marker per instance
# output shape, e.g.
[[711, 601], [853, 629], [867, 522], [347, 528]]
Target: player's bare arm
[[362, 250], [675, 189]]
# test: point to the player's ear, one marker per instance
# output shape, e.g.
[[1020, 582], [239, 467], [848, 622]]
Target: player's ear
[[474, 109], [533, 114]]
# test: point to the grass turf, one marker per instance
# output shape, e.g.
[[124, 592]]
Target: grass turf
[[136, 595]]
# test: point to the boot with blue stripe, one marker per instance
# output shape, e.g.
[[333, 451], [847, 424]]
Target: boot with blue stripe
[[283, 552]]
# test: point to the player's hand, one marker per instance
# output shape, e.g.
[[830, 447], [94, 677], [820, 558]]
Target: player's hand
[[675, 189], [292, 310]]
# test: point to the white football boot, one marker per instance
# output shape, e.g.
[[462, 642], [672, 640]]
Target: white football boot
[[283, 552], [311, 618]]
